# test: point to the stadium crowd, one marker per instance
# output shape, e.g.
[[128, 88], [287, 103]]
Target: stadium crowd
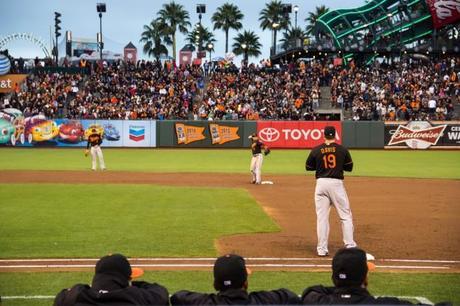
[[410, 90]]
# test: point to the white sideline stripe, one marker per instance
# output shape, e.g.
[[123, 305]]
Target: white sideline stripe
[[211, 265], [213, 259], [414, 267], [27, 297], [421, 299], [422, 260]]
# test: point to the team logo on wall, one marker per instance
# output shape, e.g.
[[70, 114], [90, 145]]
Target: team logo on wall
[[221, 134], [269, 134], [5, 64], [417, 134], [188, 133], [136, 133]]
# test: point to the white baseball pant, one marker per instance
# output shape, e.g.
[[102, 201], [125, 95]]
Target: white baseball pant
[[96, 153], [330, 191], [256, 167]]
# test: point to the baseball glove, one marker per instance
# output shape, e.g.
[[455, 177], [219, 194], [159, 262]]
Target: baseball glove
[[267, 151]]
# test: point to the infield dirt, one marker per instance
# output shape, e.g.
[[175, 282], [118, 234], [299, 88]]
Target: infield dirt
[[393, 217]]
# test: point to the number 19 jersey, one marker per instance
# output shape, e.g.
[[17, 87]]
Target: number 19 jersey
[[329, 161]]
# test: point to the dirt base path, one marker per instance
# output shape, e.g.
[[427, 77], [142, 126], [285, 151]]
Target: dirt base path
[[411, 220]]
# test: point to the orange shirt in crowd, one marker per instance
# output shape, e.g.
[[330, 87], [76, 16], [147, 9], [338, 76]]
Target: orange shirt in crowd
[[298, 103]]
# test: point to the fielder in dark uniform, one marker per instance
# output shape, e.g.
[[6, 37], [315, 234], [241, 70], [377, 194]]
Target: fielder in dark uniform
[[329, 160], [112, 285], [95, 141], [230, 280]]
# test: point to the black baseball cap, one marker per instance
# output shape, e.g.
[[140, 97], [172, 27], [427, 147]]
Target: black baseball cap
[[253, 135], [230, 272], [329, 132], [349, 267], [117, 265]]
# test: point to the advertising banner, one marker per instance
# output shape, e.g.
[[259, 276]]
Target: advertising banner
[[444, 12], [137, 133], [10, 82], [39, 131], [295, 134], [204, 134], [422, 134], [189, 133]]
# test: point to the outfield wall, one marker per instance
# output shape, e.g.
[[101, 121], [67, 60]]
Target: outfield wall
[[38, 131]]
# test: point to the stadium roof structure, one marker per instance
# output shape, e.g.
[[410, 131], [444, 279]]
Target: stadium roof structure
[[379, 23], [378, 28]]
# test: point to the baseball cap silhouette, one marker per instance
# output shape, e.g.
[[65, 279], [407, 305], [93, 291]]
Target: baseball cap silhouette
[[230, 272], [329, 132], [350, 267], [117, 265]]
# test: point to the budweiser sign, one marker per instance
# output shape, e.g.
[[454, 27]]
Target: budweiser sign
[[444, 12], [417, 135]]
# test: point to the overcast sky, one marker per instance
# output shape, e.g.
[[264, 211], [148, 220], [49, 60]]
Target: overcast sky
[[124, 19]]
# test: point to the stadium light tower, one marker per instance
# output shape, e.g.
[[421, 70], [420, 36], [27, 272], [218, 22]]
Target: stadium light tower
[[296, 10], [210, 47], [100, 7]]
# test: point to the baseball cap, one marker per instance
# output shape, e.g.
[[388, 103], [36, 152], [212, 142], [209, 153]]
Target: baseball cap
[[329, 131], [117, 265], [350, 267], [230, 272], [252, 135]]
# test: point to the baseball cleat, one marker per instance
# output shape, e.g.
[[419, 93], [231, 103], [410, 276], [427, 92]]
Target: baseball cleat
[[323, 254]]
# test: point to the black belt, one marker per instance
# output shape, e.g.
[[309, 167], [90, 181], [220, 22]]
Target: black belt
[[256, 154]]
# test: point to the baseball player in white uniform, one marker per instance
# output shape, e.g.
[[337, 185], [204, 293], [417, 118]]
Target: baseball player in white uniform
[[257, 158], [95, 141]]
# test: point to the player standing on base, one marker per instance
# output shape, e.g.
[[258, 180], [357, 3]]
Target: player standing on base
[[257, 158], [95, 141], [329, 160]]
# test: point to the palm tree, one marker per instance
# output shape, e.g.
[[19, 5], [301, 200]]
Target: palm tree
[[174, 17], [247, 43], [227, 17], [313, 17], [201, 36], [291, 36], [153, 40], [271, 17]]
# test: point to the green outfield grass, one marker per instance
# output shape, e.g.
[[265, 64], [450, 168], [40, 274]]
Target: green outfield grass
[[44, 220], [416, 164], [435, 287]]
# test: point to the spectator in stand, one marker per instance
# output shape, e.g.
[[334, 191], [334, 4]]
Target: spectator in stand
[[112, 285], [231, 284]]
